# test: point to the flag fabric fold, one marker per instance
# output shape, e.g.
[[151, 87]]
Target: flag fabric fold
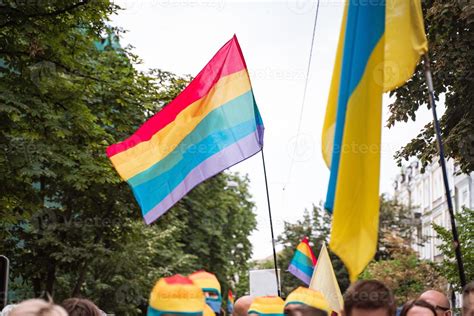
[[303, 262], [324, 280], [210, 126], [379, 47]]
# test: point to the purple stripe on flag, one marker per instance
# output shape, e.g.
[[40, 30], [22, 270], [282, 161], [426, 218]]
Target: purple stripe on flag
[[299, 274], [226, 158]]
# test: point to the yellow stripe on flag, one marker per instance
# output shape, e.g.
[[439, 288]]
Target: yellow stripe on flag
[[324, 280]]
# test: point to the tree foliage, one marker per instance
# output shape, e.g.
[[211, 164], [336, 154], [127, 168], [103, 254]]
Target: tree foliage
[[404, 273], [395, 219], [449, 26], [465, 226], [70, 226], [316, 226], [396, 264]]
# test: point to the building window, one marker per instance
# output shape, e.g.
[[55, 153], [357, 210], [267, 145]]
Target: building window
[[427, 241], [437, 184], [436, 240], [426, 193]]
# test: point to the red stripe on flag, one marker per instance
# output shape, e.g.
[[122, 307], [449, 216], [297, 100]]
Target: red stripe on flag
[[227, 60]]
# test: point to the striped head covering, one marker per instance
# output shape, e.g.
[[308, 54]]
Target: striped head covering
[[176, 294], [208, 311], [308, 297], [210, 286], [267, 305]]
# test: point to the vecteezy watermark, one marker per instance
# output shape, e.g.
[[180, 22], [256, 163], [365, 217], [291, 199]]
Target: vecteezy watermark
[[211, 4], [301, 147], [270, 73], [301, 6], [42, 71], [138, 5], [50, 219]]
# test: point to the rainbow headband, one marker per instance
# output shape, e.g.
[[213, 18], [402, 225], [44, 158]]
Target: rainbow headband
[[308, 297], [176, 295], [268, 306]]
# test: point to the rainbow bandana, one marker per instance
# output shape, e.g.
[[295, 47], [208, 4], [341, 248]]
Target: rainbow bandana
[[176, 295], [210, 285], [308, 297], [208, 311], [267, 305]]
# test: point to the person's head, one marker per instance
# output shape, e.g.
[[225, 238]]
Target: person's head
[[7, 309], [242, 305], [176, 295], [418, 308], [267, 305], [306, 302], [439, 301], [369, 298], [468, 300], [211, 288], [80, 307], [208, 311], [37, 307]]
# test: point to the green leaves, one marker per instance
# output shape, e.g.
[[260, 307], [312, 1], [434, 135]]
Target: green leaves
[[316, 226], [69, 224], [449, 29], [465, 226], [396, 264]]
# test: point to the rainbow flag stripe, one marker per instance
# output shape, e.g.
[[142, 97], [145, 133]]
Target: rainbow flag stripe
[[303, 262], [230, 301], [212, 125]]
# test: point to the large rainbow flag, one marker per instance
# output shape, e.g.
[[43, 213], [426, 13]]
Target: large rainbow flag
[[212, 125], [303, 262]]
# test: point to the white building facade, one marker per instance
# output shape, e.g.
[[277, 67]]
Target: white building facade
[[424, 193]]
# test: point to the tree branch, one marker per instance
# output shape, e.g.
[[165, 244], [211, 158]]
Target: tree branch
[[46, 14], [68, 69]]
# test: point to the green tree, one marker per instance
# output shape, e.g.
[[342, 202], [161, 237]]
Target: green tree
[[404, 273], [315, 226], [396, 264], [69, 224], [395, 219], [449, 30], [465, 226]]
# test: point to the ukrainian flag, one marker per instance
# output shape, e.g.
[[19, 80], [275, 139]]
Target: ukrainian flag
[[379, 47]]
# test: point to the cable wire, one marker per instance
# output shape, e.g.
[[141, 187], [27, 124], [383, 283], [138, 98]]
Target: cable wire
[[304, 96]]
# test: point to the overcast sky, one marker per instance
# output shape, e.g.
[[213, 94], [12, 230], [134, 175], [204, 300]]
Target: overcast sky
[[181, 36]]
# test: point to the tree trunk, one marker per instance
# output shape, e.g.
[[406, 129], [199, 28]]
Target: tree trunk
[[36, 287], [51, 278], [80, 280]]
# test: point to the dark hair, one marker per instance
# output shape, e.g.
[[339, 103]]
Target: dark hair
[[421, 303], [369, 294], [80, 307]]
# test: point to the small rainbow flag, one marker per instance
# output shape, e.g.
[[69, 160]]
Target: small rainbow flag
[[303, 262], [212, 125], [230, 302]]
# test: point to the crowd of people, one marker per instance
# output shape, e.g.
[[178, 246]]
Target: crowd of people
[[199, 294]]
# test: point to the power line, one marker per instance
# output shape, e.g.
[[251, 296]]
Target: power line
[[304, 96]]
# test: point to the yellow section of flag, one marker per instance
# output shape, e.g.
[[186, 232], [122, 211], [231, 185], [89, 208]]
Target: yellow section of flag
[[351, 137], [324, 280], [405, 41]]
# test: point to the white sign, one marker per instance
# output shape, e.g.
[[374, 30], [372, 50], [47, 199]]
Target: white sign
[[263, 282]]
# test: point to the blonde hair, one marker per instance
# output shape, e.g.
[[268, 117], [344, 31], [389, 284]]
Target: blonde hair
[[37, 307]]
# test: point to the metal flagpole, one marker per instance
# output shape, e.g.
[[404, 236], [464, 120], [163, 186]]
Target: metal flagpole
[[275, 262], [457, 245]]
